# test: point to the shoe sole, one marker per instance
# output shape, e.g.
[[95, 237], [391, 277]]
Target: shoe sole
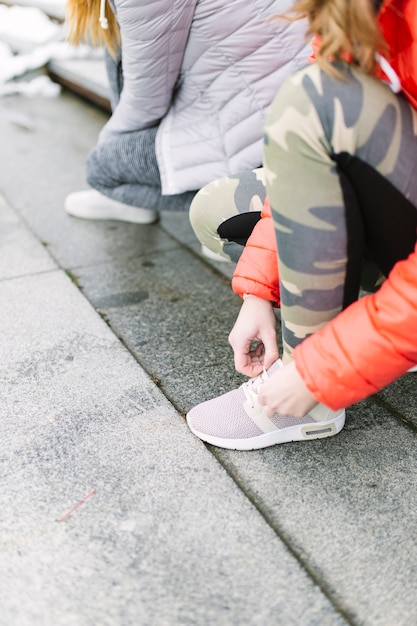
[[209, 254], [129, 214], [302, 432]]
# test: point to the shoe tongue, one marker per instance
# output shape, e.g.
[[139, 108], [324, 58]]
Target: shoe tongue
[[278, 364]]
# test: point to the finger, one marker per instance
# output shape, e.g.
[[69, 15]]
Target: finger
[[261, 398], [248, 367], [248, 364], [255, 369], [268, 411], [242, 363], [271, 352], [256, 350]]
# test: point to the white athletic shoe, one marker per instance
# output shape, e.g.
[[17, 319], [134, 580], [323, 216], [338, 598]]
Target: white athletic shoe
[[236, 420], [92, 205], [209, 254]]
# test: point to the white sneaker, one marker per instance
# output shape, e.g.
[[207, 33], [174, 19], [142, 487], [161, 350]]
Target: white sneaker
[[236, 420], [209, 254], [92, 205]]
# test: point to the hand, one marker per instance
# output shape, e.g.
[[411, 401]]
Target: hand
[[256, 322], [286, 393]]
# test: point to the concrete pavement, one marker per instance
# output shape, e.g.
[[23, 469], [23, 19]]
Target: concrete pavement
[[112, 513]]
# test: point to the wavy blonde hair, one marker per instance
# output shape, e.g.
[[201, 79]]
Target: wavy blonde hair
[[347, 28], [82, 19]]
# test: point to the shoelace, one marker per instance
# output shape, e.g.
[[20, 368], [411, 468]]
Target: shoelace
[[250, 388], [320, 413]]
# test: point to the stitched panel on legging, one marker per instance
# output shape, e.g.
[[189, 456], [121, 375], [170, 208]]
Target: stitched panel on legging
[[390, 219], [238, 228]]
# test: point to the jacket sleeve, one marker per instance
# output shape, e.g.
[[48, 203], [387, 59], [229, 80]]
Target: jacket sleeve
[[367, 346], [257, 269], [154, 35]]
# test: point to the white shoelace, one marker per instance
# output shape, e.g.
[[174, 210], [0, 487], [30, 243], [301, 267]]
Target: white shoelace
[[320, 413], [250, 388]]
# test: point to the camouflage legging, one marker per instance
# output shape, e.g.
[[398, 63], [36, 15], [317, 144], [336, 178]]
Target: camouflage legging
[[340, 168], [221, 201]]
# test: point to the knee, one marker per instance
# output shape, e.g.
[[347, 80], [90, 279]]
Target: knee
[[200, 214], [94, 172], [99, 172]]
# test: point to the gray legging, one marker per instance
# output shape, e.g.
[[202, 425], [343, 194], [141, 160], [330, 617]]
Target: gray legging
[[125, 168]]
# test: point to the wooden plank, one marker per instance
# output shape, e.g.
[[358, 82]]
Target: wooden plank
[[85, 77], [54, 9]]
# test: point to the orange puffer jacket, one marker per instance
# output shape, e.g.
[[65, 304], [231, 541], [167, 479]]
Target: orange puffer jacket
[[398, 23], [257, 270], [339, 368]]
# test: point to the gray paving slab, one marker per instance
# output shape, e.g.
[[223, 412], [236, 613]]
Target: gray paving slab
[[112, 512], [20, 251], [342, 542], [174, 313], [348, 507], [177, 224], [51, 139], [341, 512], [401, 399]]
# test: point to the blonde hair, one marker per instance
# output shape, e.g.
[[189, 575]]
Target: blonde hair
[[83, 20], [347, 29]]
